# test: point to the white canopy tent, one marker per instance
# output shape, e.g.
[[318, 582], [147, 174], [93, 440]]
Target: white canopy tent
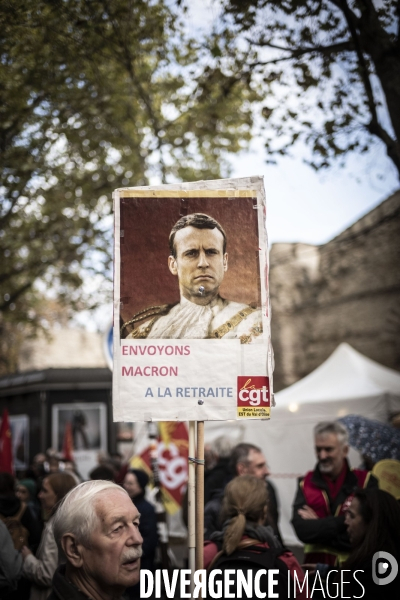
[[346, 383]]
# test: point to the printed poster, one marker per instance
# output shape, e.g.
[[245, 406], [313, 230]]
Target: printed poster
[[19, 425], [191, 305], [85, 424]]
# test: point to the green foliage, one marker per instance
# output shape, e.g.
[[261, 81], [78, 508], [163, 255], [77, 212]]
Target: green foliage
[[96, 95], [331, 72]]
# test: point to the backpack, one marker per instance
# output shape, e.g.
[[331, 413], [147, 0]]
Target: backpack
[[18, 532], [247, 557]]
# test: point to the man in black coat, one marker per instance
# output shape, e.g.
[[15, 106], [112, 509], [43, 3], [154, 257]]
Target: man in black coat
[[246, 459], [217, 466]]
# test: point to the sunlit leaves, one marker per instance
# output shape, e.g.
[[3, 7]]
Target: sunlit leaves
[[93, 96]]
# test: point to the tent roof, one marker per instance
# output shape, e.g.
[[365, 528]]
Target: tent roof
[[346, 374]]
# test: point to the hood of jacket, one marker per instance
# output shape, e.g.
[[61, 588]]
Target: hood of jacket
[[9, 505]]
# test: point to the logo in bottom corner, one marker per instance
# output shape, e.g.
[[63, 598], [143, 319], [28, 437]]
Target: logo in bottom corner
[[384, 568], [253, 399]]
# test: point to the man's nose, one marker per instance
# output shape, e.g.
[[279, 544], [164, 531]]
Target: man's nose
[[322, 455], [203, 262], [135, 537]]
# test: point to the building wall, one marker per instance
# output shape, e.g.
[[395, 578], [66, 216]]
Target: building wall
[[62, 348], [347, 290]]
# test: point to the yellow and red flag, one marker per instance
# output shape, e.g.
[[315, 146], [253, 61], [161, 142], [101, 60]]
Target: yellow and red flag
[[170, 449]]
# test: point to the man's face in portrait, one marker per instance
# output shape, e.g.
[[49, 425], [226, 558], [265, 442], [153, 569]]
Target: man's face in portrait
[[200, 263]]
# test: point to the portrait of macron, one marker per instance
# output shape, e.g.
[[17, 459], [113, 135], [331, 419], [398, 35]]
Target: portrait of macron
[[197, 267]]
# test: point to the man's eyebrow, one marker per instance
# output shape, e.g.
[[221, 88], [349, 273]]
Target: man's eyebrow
[[123, 518], [116, 519], [206, 248]]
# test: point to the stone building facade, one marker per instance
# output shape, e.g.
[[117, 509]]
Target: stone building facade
[[347, 290]]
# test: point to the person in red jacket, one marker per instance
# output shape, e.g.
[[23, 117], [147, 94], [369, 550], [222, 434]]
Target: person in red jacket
[[324, 494]]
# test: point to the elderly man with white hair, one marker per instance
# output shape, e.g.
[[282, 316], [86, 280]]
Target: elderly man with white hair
[[97, 529]]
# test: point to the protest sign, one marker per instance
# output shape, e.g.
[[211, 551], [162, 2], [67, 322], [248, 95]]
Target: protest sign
[[191, 306]]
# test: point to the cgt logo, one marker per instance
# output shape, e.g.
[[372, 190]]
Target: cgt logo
[[384, 568], [253, 391]]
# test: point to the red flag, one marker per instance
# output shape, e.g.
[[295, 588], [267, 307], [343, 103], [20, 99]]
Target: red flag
[[68, 443], [6, 461]]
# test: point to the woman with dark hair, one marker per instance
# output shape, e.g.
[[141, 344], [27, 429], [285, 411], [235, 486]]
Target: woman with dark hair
[[373, 526], [26, 492], [245, 543], [40, 569], [12, 506], [135, 483]]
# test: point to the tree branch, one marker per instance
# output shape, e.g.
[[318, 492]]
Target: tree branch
[[391, 146], [129, 64], [296, 52], [364, 71], [398, 22], [374, 126], [6, 304]]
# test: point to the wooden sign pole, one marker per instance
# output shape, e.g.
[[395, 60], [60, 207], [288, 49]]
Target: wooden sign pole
[[200, 495], [192, 503], [195, 498]]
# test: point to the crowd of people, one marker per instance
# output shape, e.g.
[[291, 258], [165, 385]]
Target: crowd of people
[[67, 539], [30, 553]]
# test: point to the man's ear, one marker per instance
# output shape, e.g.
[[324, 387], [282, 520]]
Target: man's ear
[[225, 261], [173, 267], [241, 469], [72, 550], [345, 450]]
